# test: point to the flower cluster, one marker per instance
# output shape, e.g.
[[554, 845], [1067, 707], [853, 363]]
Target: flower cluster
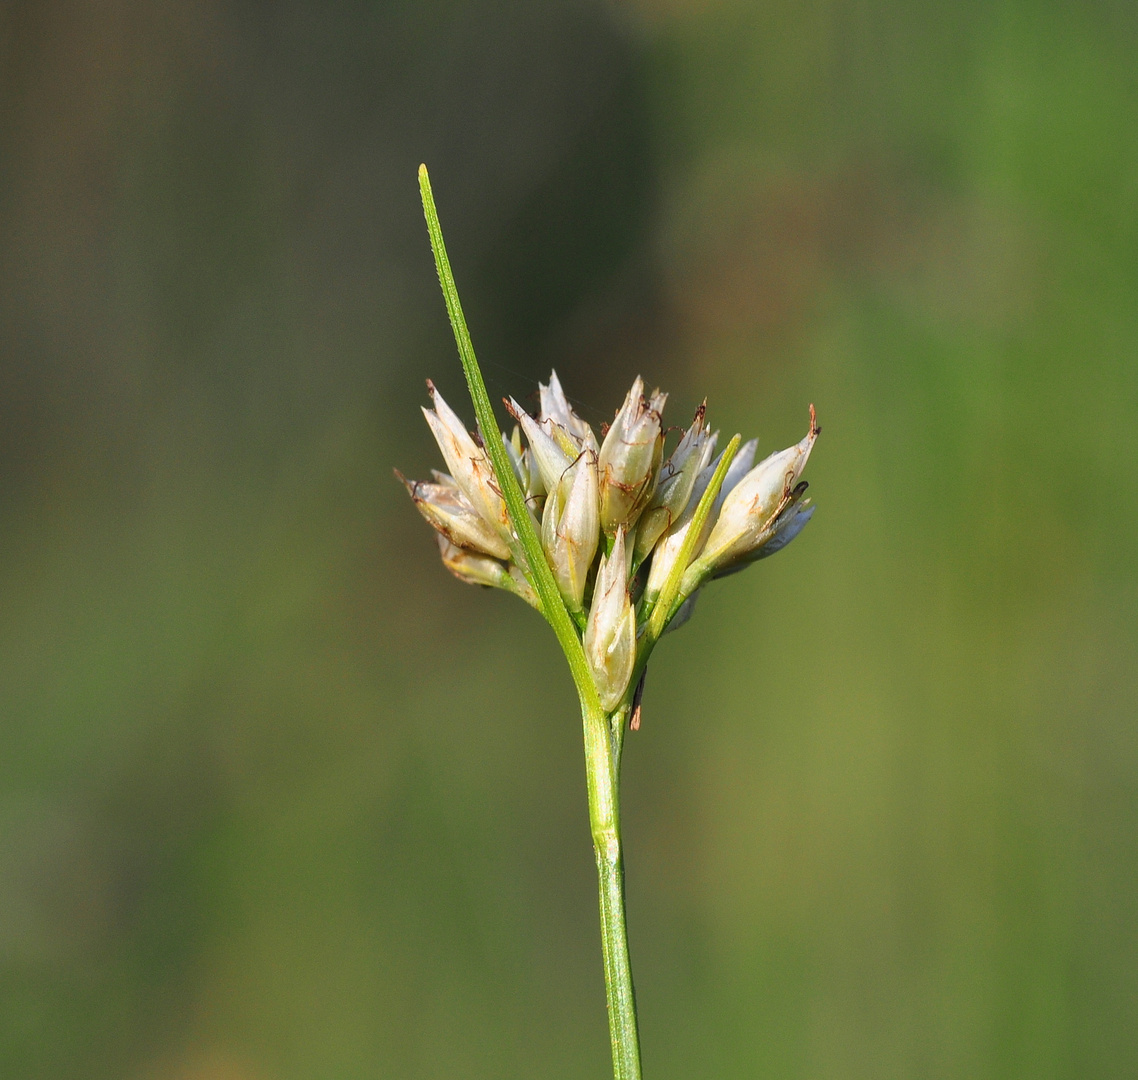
[[615, 518]]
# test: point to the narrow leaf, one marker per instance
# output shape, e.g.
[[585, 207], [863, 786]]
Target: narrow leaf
[[539, 571]]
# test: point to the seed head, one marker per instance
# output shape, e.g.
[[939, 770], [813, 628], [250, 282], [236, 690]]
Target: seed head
[[578, 493]]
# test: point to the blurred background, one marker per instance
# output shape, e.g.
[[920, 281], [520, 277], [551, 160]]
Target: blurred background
[[280, 800]]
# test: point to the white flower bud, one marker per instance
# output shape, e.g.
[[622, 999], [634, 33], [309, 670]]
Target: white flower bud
[[570, 527], [555, 406], [468, 463], [630, 457], [677, 478], [551, 458], [753, 504], [449, 511], [610, 634]]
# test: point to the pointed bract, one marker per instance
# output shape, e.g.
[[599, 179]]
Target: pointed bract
[[789, 523], [787, 527], [739, 467], [551, 460], [473, 568], [555, 406], [477, 569], [514, 453]]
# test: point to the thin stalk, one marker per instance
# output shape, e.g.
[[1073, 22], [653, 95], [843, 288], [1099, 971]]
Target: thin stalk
[[602, 765], [603, 734]]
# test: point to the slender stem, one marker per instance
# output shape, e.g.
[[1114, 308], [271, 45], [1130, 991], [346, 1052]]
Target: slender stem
[[603, 735], [602, 768]]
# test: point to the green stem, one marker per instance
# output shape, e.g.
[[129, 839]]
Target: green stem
[[602, 769], [603, 735]]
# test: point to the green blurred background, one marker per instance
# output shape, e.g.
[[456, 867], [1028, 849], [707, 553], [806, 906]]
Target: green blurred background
[[280, 800]]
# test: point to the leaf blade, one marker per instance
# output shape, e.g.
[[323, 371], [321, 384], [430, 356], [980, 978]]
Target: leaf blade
[[540, 573]]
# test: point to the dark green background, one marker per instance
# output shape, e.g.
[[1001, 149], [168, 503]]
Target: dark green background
[[280, 800]]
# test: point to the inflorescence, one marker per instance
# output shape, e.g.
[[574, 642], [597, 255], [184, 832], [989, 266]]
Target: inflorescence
[[631, 538]]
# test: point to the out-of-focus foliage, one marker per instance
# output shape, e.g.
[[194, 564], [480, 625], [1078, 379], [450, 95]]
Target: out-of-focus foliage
[[281, 800]]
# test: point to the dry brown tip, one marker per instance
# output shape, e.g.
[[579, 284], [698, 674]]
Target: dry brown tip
[[412, 486], [634, 722]]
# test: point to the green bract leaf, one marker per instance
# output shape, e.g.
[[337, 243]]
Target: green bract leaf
[[537, 569], [659, 617]]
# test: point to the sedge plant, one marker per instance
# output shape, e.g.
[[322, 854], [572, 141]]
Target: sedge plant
[[611, 543]]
